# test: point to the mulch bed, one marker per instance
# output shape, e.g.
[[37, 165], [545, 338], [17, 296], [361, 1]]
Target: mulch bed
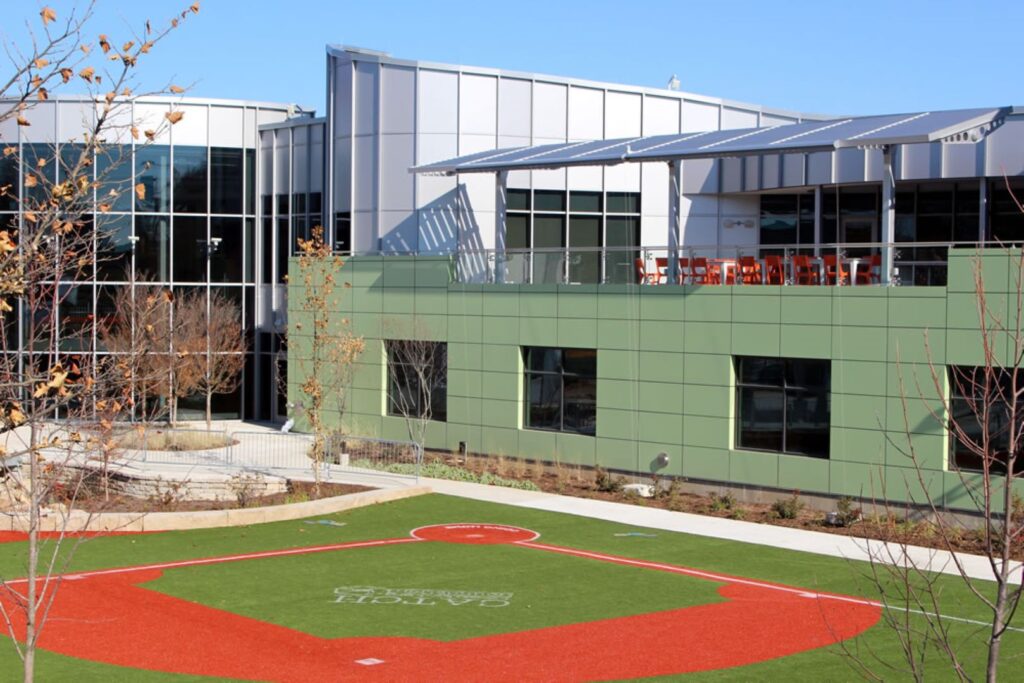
[[299, 491], [580, 483]]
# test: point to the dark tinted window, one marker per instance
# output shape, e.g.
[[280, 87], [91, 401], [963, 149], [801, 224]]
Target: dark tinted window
[[153, 171], [418, 379], [783, 405], [561, 389], [226, 257], [226, 173], [153, 248], [190, 179], [189, 249]]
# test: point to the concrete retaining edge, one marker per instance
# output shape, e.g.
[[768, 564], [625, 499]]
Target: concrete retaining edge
[[210, 519]]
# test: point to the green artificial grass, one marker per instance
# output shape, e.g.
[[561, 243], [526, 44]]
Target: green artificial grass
[[547, 588]]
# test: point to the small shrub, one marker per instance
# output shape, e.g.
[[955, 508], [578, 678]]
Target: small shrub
[[167, 494], [788, 508], [722, 501], [605, 482], [847, 513], [738, 513], [247, 486]]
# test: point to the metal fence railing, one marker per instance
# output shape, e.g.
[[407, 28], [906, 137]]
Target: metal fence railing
[[356, 453], [178, 446]]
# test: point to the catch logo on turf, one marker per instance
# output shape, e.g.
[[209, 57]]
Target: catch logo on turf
[[424, 597]]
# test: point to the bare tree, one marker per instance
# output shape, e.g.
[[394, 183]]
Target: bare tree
[[323, 347], [51, 241], [417, 369], [219, 365], [983, 407]]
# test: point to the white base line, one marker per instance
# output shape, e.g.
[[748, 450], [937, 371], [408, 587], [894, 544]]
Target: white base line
[[724, 578], [225, 558]]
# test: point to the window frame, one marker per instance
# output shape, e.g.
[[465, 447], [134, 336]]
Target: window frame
[[440, 388], [786, 390], [956, 398], [561, 374]]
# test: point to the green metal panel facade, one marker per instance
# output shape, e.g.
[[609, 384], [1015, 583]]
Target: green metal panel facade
[[665, 368]]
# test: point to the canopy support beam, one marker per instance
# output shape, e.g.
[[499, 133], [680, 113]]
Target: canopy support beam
[[675, 189], [888, 217]]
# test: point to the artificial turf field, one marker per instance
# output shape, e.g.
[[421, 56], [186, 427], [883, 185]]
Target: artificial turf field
[[444, 588]]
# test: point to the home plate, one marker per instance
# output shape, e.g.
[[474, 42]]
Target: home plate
[[369, 661]]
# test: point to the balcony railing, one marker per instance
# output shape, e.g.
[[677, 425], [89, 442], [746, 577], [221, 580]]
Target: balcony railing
[[843, 264]]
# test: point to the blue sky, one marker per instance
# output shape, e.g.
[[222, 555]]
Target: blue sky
[[827, 57]]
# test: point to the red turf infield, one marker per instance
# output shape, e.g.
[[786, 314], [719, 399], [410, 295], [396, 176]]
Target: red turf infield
[[150, 630]]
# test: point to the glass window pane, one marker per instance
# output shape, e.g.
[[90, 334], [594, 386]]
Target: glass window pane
[[549, 200], [585, 264], [582, 362], [32, 156], [190, 179], [9, 180], [152, 251], [623, 202], [585, 201], [517, 234], [114, 247], [549, 234], [114, 175], [189, 249], [248, 250], [76, 316], [544, 360], [765, 371], [814, 374], [760, 421], [250, 181], [621, 232], [153, 171], [226, 258], [807, 423], [544, 401], [517, 200], [225, 180], [580, 397]]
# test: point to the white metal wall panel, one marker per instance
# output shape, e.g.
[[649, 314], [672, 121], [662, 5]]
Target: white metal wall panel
[[75, 118], [819, 168], [962, 161], [654, 230], [661, 116], [738, 118], [300, 160], [364, 232], [478, 189], [193, 127], [396, 183], [249, 131], [365, 89], [364, 182], [622, 178], [119, 121], [771, 171], [700, 176], [849, 166], [478, 232], [654, 180], [342, 98], [752, 173], [776, 120], [549, 106], [1004, 149], [793, 170], [316, 152], [514, 108], [732, 174], [227, 128], [42, 118], [398, 232], [699, 116], [586, 114], [439, 228], [622, 115], [398, 99], [150, 116], [699, 230], [268, 116], [267, 162], [918, 162], [590, 178], [437, 102], [434, 147], [343, 174], [478, 106], [874, 164]]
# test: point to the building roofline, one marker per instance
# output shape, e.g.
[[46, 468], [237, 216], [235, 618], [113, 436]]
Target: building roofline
[[163, 99], [294, 123], [367, 55]]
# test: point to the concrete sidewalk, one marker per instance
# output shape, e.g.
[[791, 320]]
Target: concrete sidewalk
[[817, 542]]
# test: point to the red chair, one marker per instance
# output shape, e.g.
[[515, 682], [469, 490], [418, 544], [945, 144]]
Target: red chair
[[701, 273], [642, 276], [750, 270], [835, 271], [661, 266], [775, 271], [804, 272], [684, 268], [870, 272]]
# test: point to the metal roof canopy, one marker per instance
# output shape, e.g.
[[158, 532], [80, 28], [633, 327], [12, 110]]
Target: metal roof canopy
[[953, 126]]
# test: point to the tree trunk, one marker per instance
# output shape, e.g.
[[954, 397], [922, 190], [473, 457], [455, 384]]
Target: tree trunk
[[209, 412]]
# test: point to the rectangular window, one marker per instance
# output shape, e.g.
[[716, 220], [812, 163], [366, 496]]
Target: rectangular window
[[783, 405], [561, 389], [417, 379], [343, 232], [975, 391], [226, 171], [190, 180]]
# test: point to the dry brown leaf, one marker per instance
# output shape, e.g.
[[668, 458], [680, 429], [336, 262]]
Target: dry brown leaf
[[140, 191], [177, 90], [43, 94], [168, 295], [87, 73], [8, 151], [104, 44], [48, 14], [104, 207], [195, 8], [128, 46], [66, 74], [110, 96], [149, 28], [36, 81], [40, 62], [31, 180], [135, 133], [127, 92], [174, 23], [22, 121], [174, 116], [41, 162], [146, 47], [150, 134], [85, 48]]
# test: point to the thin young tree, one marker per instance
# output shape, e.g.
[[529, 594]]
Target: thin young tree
[[323, 347], [49, 244]]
